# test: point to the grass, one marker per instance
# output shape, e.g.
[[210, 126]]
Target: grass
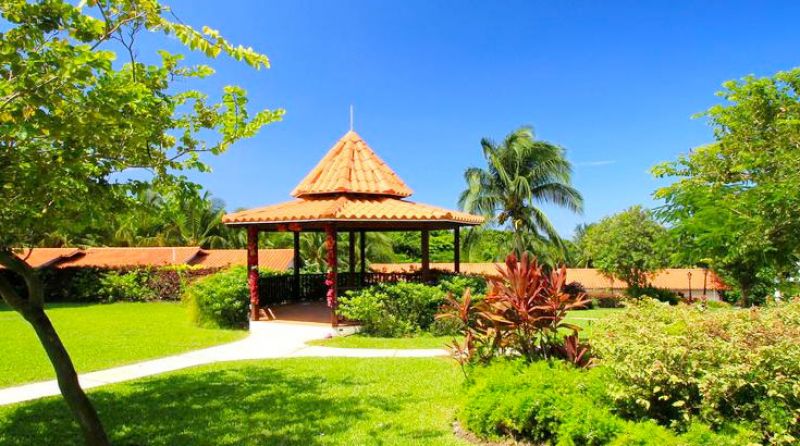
[[308, 401], [99, 336], [584, 318], [363, 341]]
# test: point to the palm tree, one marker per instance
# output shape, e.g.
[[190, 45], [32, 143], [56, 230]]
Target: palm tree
[[314, 253], [521, 173]]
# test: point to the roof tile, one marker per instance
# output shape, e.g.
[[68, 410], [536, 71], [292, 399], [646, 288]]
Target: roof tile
[[592, 279], [350, 208], [351, 166], [270, 259]]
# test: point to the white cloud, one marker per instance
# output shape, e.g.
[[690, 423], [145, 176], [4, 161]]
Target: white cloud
[[595, 163]]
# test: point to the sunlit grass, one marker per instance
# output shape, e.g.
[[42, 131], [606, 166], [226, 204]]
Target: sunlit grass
[[308, 401], [585, 319], [101, 336], [362, 341]]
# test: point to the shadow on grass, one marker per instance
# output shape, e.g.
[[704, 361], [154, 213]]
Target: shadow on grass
[[247, 404]]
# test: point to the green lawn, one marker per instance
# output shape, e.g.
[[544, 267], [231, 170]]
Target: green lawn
[[362, 341], [308, 401], [584, 318], [100, 336]]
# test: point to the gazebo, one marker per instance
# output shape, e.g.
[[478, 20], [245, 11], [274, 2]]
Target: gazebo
[[351, 190]]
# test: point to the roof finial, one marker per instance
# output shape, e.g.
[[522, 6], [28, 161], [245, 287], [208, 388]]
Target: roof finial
[[351, 117]]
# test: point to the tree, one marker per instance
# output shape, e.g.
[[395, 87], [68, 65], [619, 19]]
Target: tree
[[521, 173], [735, 201], [630, 246], [73, 125], [314, 252]]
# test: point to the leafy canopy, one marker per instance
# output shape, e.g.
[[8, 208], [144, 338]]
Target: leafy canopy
[[80, 115], [630, 246], [736, 201]]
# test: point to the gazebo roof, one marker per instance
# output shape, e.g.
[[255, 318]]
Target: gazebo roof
[[350, 208], [351, 166], [351, 186]]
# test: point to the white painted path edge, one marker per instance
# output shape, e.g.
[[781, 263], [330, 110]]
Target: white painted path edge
[[266, 340]]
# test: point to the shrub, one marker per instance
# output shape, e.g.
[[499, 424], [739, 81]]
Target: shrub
[[661, 294], [458, 284], [550, 403], [393, 310], [523, 314], [540, 402], [129, 286], [683, 363], [220, 299]]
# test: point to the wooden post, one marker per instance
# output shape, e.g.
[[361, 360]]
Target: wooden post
[[330, 242], [298, 264], [351, 248], [362, 247], [457, 249], [252, 270], [426, 260]]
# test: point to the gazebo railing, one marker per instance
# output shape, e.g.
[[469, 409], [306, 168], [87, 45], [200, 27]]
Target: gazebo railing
[[311, 287]]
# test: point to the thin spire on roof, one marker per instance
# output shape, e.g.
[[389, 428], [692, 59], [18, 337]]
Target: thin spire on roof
[[351, 117]]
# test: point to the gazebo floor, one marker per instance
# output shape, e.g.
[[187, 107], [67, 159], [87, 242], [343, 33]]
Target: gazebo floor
[[300, 312]]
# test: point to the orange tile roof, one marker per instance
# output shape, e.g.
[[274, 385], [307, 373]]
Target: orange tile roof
[[351, 166], [671, 278], [126, 257], [42, 257], [270, 259], [349, 208]]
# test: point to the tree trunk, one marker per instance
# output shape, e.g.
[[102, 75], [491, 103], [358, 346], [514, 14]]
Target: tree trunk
[[31, 308], [76, 399]]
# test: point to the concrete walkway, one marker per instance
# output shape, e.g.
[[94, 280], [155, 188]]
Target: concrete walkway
[[266, 340]]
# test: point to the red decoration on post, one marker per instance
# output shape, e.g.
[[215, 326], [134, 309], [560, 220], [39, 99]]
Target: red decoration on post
[[330, 280], [252, 270]]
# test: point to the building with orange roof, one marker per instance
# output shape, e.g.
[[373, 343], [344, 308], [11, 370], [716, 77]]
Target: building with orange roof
[[350, 190], [268, 259], [133, 257], [687, 281], [123, 257], [45, 257]]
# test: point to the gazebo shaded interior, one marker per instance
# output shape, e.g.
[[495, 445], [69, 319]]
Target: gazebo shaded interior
[[352, 191]]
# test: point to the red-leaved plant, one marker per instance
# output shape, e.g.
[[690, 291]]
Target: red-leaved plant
[[522, 315]]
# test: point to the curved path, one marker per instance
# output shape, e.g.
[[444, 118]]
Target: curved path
[[266, 340]]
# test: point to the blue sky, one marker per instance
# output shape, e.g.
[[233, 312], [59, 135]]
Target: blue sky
[[615, 83]]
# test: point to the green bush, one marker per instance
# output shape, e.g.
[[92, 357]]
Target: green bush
[[128, 286], [393, 310], [553, 403], [220, 299], [457, 284], [661, 294], [540, 402], [682, 363]]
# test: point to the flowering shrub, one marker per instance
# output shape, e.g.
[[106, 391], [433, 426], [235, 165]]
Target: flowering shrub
[[523, 314], [685, 363]]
